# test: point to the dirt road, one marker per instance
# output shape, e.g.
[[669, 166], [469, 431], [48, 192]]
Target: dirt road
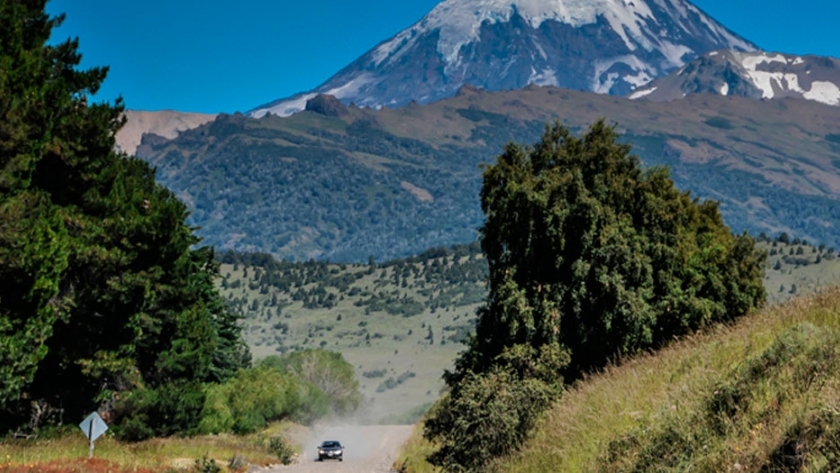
[[367, 449]]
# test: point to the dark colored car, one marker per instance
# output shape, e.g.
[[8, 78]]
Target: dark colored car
[[330, 450]]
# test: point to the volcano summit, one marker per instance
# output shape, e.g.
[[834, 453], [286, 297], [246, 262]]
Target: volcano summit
[[605, 46]]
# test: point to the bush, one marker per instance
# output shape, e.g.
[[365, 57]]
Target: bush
[[491, 414], [250, 400], [281, 449], [170, 409], [327, 370], [206, 465]]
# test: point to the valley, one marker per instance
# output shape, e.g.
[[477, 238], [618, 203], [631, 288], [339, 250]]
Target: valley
[[401, 323]]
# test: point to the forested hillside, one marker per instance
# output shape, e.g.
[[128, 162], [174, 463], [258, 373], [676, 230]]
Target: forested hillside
[[342, 183]]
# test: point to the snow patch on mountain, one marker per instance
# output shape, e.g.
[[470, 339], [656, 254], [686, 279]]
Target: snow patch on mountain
[[641, 93], [298, 103], [751, 74], [545, 77], [825, 92], [770, 83], [606, 74]]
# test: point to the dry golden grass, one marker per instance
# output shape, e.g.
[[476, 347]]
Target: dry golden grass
[[69, 452], [649, 397]]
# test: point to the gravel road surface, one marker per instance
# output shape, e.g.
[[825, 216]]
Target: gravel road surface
[[367, 449]]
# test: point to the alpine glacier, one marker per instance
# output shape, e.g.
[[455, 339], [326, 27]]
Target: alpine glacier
[[606, 46]]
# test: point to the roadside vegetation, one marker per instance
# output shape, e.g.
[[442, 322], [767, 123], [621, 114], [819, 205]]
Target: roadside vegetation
[[108, 301], [759, 394], [592, 259]]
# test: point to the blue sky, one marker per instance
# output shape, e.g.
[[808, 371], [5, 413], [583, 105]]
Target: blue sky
[[223, 56]]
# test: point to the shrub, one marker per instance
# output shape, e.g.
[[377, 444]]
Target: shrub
[[206, 465], [281, 449], [327, 370], [491, 414], [250, 400], [170, 409]]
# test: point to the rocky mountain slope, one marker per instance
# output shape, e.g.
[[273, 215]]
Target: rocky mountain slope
[[165, 123], [606, 46], [344, 183], [756, 75]]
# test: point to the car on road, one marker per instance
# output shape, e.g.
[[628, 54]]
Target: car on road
[[330, 450]]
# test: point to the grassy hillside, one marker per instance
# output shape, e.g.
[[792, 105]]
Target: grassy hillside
[[392, 182], [760, 395], [400, 323]]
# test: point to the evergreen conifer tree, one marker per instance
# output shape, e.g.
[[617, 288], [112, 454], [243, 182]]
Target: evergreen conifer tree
[[102, 290]]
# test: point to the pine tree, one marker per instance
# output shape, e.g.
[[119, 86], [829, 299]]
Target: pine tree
[[101, 291]]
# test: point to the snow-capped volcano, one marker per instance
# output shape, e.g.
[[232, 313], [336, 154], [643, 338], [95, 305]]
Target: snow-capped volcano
[[606, 46], [756, 75]]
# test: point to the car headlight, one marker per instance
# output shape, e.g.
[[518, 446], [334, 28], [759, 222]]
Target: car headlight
[[320, 451], [338, 452]]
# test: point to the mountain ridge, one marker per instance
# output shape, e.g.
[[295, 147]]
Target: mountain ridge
[[392, 182], [757, 75], [164, 123]]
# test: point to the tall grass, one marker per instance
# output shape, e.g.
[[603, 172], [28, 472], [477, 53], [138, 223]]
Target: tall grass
[[68, 451], [762, 394]]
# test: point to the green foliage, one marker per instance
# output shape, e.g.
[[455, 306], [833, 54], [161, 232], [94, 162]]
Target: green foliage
[[590, 258], [491, 414], [589, 251], [173, 408], [326, 370], [254, 397], [281, 449], [104, 298]]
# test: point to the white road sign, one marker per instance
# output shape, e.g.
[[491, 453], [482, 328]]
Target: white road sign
[[93, 426]]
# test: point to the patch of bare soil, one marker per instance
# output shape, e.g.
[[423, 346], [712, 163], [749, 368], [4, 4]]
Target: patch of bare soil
[[166, 123]]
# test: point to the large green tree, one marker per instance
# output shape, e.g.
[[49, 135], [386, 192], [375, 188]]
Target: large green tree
[[591, 258], [589, 251], [101, 287]]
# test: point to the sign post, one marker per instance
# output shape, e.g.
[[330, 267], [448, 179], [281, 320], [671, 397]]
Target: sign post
[[93, 426]]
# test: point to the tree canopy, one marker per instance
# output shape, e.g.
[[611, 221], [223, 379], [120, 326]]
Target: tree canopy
[[589, 251], [591, 258], [102, 287]]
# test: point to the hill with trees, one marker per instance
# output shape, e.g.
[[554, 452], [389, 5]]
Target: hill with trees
[[390, 183]]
